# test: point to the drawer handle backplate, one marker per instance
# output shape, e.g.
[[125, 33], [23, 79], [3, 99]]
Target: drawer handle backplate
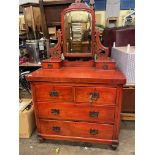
[[55, 111], [50, 65], [54, 93], [93, 114], [56, 128], [93, 132], [105, 66]]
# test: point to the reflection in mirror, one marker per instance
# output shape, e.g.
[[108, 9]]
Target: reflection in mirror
[[77, 27]]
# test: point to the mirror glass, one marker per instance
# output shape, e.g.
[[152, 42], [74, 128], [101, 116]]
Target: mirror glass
[[77, 31]]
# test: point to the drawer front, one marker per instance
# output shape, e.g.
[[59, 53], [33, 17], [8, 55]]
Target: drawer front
[[47, 92], [79, 112], [96, 95], [76, 129]]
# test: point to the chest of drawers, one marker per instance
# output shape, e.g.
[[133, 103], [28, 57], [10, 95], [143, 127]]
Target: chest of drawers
[[77, 104]]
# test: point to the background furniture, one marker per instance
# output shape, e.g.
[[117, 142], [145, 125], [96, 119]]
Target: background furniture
[[121, 36], [33, 21], [51, 13], [128, 104], [125, 60], [21, 24]]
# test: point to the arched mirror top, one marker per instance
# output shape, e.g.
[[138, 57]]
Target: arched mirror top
[[78, 25]]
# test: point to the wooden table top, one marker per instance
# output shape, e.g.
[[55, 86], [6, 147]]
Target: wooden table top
[[78, 75]]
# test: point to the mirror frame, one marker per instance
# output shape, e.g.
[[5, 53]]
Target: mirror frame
[[78, 7]]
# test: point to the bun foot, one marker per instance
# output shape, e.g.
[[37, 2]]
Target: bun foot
[[40, 139], [114, 147]]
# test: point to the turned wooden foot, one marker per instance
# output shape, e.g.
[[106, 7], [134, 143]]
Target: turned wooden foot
[[40, 139], [114, 146]]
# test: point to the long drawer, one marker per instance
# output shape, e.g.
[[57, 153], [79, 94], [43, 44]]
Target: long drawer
[[49, 92], [76, 129], [103, 114], [96, 95]]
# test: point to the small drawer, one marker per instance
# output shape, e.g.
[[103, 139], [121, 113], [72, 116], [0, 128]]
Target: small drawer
[[79, 112], [76, 129], [96, 95], [49, 92]]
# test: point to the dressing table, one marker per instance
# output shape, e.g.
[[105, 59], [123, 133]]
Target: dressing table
[[77, 94]]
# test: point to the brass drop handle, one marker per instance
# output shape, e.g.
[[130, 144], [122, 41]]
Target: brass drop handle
[[93, 96], [54, 93], [90, 98], [56, 128], [55, 111], [93, 114], [94, 131]]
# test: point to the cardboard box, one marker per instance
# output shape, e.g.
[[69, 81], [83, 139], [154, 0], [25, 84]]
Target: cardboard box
[[26, 119]]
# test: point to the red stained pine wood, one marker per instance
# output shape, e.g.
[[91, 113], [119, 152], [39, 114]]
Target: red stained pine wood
[[78, 100], [73, 111], [44, 90], [76, 129], [106, 95], [78, 75]]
